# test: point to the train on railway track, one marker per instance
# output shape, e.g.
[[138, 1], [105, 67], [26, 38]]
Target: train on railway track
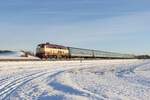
[[53, 51]]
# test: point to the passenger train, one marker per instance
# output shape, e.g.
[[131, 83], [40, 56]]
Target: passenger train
[[48, 51]]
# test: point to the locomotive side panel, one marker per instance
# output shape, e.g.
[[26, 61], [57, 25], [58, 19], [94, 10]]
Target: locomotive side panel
[[56, 52]]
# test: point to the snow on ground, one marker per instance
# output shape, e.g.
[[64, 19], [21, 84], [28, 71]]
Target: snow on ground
[[73, 80]]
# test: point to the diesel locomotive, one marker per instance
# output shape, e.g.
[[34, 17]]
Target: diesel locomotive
[[48, 51]]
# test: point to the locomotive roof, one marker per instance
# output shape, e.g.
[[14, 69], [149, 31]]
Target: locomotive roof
[[53, 46]]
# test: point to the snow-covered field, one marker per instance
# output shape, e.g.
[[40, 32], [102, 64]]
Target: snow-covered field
[[73, 80]]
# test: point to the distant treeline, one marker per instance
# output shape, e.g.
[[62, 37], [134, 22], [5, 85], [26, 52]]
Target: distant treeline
[[143, 57], [5, 51]]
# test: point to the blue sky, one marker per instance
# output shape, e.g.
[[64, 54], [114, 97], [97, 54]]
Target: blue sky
[[111, 25]]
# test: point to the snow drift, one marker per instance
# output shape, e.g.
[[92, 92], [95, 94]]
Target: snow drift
[[7, 54]]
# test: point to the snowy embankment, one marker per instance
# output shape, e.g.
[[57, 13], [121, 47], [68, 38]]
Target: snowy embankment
[[72, 80], [7, 55]]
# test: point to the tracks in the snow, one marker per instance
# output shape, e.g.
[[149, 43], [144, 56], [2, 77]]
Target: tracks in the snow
[[129, 74], [16, 83], [11, 87]]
